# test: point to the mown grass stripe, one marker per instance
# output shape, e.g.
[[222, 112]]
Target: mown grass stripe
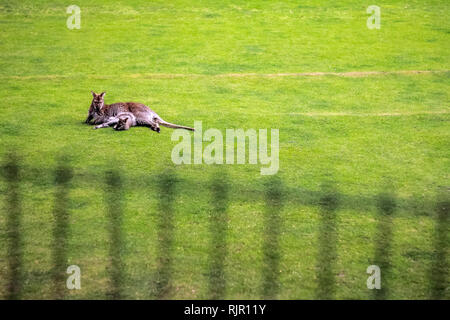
[[348, 74]]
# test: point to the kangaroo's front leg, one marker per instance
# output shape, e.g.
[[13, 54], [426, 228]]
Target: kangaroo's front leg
[[107, 124], [89, 118]]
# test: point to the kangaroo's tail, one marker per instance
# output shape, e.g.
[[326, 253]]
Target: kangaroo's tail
[[173, 126]]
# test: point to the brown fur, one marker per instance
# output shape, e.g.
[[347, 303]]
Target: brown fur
[[124, 123], [100, 112]]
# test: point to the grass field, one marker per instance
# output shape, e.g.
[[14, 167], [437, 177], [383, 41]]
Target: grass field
[[232, 65]]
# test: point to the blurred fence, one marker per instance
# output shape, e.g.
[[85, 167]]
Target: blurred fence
[[275, 194]]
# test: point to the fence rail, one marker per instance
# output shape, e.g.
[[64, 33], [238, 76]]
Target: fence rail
[[275, 194]]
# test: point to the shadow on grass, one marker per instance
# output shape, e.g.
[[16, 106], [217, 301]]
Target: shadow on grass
[[11, 171], [328, 236], [161, 287], [271, 238], [114, 203], [218, 225], [386, 205], [439, 269], [275, 195], [63, 176], [296, 195]]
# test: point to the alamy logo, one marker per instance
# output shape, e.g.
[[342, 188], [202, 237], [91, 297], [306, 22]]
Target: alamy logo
[[374, 280], [374, 21], [74, 280], [213, 152], [73, 21]]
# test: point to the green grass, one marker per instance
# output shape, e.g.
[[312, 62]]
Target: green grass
[[362, 135]]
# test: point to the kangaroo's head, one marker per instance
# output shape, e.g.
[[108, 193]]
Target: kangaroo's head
[[97, 103], [121, 124]]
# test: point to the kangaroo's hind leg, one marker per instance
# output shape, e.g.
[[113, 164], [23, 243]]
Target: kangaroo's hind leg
[[155, 127], [150, 124]]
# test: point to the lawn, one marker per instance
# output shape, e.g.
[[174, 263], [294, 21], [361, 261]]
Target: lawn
[[203, 231]]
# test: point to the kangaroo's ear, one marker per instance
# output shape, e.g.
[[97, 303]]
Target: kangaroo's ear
[[102, 94], [93, 94]]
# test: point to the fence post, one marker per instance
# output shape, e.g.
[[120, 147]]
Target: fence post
[[328, 236], [14, 215], [60, 230], [218, 225]]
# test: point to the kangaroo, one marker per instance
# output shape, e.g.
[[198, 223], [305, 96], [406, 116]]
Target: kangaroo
[[100, 112], [123, 121]]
